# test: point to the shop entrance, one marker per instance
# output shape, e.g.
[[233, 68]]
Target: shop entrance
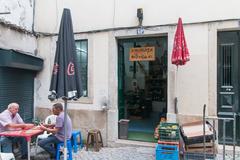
[[142, 85]]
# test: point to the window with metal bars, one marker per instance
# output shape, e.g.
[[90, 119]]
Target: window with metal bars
[[227, 56]]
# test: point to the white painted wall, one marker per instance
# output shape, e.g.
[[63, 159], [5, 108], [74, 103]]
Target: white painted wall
[[100, 66], [97, 72], [196, 81], [20, 18], [10, 39], [95, 14], [21, 12], [192, 80]]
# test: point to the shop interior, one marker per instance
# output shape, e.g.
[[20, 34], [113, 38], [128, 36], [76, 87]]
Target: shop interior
[[142, 87]]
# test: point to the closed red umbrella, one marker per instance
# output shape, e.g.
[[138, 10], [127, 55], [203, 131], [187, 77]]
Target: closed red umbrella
[[180, 54]]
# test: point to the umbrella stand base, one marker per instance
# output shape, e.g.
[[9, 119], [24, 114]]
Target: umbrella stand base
[[175, 105]]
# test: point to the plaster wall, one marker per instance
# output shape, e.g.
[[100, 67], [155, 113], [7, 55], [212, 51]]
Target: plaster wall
[[103, 57], [12, 39], [96, 15], [194, 83], [197, 84], [82, 120], [16, 27], [192, 78], [97, 71], [21, 12]]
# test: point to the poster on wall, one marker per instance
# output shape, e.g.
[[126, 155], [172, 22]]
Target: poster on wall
[[142, 54]]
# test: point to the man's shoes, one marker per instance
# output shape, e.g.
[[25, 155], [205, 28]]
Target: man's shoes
[[52, 156], [25, 156]]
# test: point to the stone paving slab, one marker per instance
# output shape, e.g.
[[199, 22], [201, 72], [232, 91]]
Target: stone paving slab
[[121, 153]]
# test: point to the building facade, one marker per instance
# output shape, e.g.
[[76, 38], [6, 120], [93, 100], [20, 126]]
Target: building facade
[[142, 90], [19, 62]]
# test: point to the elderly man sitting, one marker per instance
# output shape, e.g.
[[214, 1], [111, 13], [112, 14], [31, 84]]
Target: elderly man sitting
[[11, 120]]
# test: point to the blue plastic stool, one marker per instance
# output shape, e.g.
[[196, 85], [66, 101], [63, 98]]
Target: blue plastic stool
[[75, 143], [69, 149]]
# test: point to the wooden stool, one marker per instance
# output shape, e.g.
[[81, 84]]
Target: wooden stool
[[92, 138]]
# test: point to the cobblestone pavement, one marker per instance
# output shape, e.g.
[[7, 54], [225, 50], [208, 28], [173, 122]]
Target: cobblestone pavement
[[121, 153], [219, 156], [136, 153]]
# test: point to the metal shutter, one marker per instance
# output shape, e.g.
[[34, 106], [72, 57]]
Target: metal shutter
[[17, 85]]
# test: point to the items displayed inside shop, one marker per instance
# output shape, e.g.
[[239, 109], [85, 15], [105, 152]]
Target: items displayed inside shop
[[142, 93]]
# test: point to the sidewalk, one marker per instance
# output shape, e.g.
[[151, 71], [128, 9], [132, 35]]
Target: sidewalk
[[124, 153], [121, 153]]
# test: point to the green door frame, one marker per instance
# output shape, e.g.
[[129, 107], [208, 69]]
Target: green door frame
[[121, 70]]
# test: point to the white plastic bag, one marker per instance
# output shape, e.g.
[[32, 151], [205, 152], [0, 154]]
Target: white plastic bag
[[7, 156]]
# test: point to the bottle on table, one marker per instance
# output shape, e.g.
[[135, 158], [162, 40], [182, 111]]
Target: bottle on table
[[49, 121]]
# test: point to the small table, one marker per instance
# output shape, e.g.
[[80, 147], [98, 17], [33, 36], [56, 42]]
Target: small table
[[27, 134]]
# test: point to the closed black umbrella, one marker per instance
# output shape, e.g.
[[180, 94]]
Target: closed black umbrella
[[65, 82]]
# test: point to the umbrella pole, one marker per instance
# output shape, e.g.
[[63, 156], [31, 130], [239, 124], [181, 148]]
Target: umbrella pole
[[65, 129], [176, 96]]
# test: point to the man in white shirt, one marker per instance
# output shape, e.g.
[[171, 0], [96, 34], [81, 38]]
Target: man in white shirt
[[11, 120]]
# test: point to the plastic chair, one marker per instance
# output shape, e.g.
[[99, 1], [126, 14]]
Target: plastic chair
[[75, 143], [60, 148], [49, 120]]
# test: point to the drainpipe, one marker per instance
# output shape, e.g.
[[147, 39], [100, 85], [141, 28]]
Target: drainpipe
[[33, 24], [105, 107], [35, 53]]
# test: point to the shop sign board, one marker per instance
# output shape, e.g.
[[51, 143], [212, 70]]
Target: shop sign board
[[142, 54]]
